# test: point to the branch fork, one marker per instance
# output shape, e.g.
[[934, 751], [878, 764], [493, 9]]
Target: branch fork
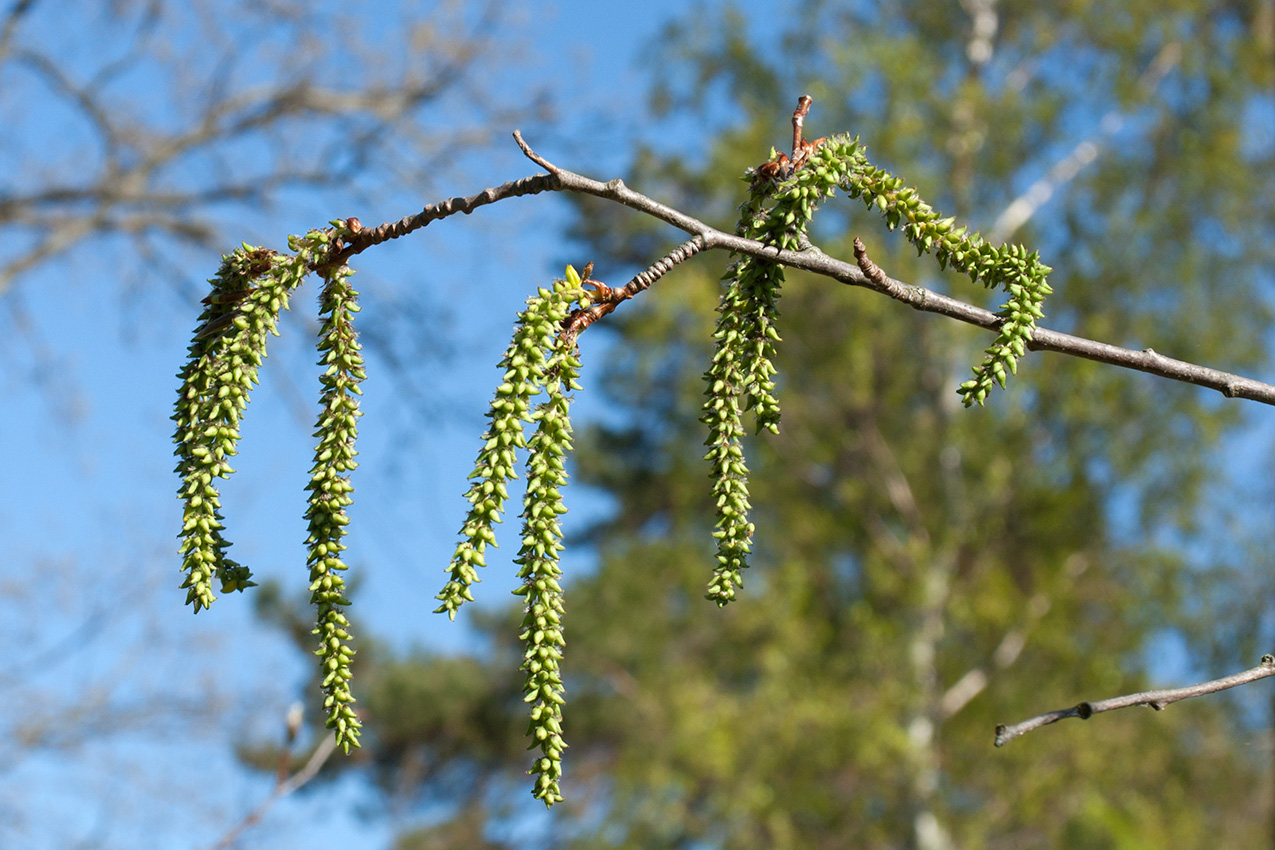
[[603, 300]]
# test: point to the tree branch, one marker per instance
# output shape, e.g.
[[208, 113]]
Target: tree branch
[[919, 298], [607, 298], [365, 239], [284, 785], [814, 260], [10, 25], [1156, 699]]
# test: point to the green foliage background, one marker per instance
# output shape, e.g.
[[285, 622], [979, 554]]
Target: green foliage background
[[1046, 543]]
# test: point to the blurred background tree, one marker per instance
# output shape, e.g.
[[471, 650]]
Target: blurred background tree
[[921, 572]]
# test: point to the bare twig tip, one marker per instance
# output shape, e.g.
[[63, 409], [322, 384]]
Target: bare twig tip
[[798, 122], [535, 157], [870, 269]]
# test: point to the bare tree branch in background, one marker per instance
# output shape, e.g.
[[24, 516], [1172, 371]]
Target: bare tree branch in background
[[11, 20], [1021, 209], [285, 784], [350, 112], [1159, 700], [1007, 652]]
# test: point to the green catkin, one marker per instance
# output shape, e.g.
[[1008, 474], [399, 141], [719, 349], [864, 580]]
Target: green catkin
[[249, 292], [330, 493], [1012, 268], [525, 362], [539, 359], [541, 572], [741, 375]]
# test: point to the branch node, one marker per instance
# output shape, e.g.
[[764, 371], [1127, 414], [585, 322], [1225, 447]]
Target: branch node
[[870, 269]]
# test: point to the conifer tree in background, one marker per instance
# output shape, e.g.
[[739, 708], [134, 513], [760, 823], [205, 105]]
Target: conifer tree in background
[[920, 571]]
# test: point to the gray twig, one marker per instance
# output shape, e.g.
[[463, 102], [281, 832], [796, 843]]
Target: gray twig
[[283, 787], [1156, 699]]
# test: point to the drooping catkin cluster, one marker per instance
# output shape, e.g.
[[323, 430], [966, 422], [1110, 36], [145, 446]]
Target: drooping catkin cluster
[[1013, 268], [330, 490], [539, 360], [248, 294], [541, 573], [253, 286], [740, 376], [525, 363]]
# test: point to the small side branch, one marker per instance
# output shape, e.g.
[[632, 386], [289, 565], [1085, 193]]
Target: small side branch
[[1156, 699], [799, 121], [533, 156], [664, 265], [607, 299], [870, 269], [284, 786], [365, 239]]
